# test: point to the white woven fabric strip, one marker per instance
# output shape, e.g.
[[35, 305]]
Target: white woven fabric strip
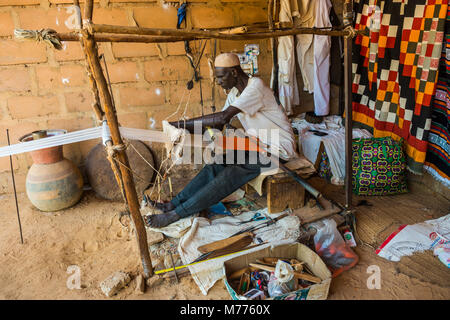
[[82, 135], [53, 141]]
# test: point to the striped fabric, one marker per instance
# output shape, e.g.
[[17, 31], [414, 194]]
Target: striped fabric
[[438, 156]]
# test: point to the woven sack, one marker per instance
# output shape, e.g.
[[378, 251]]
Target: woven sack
[[379, 167]]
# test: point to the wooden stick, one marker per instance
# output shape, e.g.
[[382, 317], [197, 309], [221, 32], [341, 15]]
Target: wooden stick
[[237, 274], [193, 263], [14, 186], [105, 37], [236, 30], [298, 275], [220, 244], [89, 6], [100, 114], [128, 183], [73, 36], [180, 274], [348, 110], [103, 28], [170, 188], [96, 103]]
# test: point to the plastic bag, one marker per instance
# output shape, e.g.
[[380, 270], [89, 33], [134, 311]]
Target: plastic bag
[[282, 280], [442, 251], [332, 248]]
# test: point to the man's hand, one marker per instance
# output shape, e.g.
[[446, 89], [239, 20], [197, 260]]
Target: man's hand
[[213, 120]]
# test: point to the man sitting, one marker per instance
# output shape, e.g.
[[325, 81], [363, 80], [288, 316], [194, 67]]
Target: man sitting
[[256, 108]]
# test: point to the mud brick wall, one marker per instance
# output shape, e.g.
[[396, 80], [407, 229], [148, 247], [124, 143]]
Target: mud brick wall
[[43, 88]]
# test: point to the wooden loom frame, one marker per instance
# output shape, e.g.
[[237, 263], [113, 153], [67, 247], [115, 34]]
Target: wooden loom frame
[[90, 34]]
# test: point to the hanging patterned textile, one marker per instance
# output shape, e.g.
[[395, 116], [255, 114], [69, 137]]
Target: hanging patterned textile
[[437, 162], [395, 66]]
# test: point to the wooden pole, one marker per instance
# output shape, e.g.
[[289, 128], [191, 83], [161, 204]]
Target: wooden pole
[[14, 186], [89, 7], [74, 36], [99, 112], [348, 79], [103, 28], [114, 165], [180, 35], [128, 183], [96, 103]]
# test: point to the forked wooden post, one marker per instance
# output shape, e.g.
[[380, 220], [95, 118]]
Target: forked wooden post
[[91, 51]]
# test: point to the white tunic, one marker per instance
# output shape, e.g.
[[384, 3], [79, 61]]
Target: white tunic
[[304, 17], [322, 46], [287, 79], [262, 117]]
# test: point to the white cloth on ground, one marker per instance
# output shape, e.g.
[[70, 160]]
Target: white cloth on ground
[[309, 143], [203, 231], [262, 117], [322, 46]]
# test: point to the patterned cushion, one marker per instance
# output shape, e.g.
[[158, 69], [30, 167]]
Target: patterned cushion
[[378, 167]]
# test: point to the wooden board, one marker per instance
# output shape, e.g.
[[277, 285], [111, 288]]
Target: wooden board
[[284, 192], [220, 244], [101, 176]]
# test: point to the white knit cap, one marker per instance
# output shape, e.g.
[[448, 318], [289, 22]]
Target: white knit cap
[[226, 60]]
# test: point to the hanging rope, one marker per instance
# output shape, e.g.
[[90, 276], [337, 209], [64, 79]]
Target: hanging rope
[[112, 149], [49, 36]]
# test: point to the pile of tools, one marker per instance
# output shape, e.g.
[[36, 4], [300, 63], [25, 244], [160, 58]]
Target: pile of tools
[[252, 282]]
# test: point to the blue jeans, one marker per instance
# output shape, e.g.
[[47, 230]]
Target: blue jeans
[[212, 184]]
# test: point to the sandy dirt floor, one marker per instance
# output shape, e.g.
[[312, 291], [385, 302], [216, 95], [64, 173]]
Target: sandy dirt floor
[[90, 236]]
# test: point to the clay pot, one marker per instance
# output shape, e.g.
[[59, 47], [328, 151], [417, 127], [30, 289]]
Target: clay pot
[[53, 183]]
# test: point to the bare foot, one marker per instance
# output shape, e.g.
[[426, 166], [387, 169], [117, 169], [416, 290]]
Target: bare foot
[[164, 206], [161, 220]]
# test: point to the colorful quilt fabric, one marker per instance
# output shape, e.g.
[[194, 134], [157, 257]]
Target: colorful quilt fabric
[[437, 162], [395, 69]]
